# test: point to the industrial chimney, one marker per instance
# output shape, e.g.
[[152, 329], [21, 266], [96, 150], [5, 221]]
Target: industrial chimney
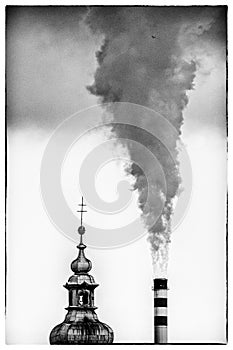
[[160, 310]]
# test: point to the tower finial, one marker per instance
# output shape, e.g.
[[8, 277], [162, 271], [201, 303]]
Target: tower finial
[[82, 211], [81, 229], [81, 264]]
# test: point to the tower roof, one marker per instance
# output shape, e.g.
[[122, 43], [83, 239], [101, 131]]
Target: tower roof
[[88, 332]]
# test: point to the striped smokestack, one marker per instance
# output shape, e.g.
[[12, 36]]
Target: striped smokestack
[[160, 310]]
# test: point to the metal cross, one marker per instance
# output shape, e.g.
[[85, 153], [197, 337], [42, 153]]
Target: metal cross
[[82, 211]]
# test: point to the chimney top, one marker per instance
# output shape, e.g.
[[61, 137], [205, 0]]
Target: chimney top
[[160, 283]]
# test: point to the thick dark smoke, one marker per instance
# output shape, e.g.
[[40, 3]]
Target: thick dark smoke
[[149, 57]]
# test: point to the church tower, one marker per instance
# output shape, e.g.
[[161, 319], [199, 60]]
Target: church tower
[[81, 324]]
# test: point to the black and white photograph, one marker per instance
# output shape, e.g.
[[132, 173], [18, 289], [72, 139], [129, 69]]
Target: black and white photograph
[[116, 191]]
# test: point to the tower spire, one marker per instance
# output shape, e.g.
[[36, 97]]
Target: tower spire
[[81, 229], [81, 264], [82, 210]]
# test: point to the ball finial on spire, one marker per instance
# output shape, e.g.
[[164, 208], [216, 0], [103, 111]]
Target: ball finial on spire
[[81, 230]]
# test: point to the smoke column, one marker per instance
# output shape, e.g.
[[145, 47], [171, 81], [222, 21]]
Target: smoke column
[[149, 57]]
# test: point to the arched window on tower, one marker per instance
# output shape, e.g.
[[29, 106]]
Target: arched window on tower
[[86, 297], [83, 297]]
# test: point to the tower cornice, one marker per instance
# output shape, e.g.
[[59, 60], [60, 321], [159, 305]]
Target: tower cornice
[[80, 285]]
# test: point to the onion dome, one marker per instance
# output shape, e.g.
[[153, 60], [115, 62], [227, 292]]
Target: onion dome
[[82, 332], [81, 324], [81, 264]]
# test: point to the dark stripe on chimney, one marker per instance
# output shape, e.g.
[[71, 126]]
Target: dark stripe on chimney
[[160, 283], [160, 302], [160, 320]]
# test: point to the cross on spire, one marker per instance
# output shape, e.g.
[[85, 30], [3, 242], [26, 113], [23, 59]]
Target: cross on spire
[[82, 210]]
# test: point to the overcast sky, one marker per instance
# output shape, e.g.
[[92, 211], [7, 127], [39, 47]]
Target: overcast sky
[[50, 62]]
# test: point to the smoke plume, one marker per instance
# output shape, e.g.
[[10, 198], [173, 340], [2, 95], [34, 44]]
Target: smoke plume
[[149, 57]]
